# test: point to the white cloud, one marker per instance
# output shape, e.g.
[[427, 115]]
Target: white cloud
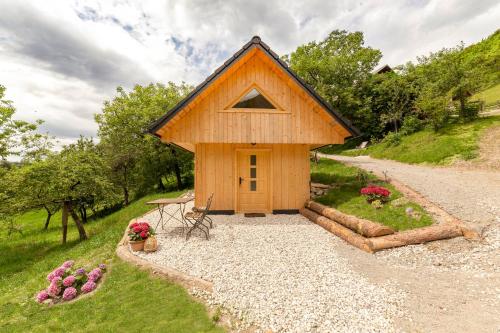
[[61, 59]]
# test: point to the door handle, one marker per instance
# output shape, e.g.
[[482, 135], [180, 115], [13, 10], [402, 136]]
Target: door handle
[[241, 180]]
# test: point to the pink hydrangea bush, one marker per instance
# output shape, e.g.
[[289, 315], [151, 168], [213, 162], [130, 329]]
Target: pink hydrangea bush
[[88, 287], [66, 284], [69, 293], [69, 281]]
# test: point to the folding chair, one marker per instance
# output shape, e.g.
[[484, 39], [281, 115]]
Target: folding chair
[[197, 217], [207, 208]]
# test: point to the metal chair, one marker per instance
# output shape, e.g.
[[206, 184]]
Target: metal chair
[[207, 207], [197, 217]]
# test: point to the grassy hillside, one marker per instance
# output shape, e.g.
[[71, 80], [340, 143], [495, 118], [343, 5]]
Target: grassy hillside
[[486, 53], [490, 96], [129, 299], [455, 141]]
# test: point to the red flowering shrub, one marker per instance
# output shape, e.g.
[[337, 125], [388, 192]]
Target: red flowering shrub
[[140, 231], [373, 193]]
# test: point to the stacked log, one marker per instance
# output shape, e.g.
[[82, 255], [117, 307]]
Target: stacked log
[[370, 236], [416, 236], [337, 229], [363, 227]]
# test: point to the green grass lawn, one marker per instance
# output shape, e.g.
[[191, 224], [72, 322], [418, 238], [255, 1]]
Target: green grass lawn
[[490, 96], [455, 141], [128, 300], [346, 197]]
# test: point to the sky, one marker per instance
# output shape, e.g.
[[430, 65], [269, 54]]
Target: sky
[[60, 60]]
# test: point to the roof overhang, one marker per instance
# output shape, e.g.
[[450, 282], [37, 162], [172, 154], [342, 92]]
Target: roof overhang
[[256, 42]]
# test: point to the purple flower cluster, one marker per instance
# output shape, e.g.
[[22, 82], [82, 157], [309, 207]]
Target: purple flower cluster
[[88, 287], [68, 281], [69, 293], [42, 296], [94, 275], [65, 284], [68, 264], [53, 290]]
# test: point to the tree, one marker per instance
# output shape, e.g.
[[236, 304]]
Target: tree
[[394, 96], [19, 137], [447, 74], [81, 177], [339, 68], [137, 161]]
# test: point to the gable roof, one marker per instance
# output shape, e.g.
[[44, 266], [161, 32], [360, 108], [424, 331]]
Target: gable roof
[[255, 42]]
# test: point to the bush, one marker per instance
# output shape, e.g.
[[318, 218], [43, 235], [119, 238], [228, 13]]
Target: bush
[[411, 124], [66, 284], [471, 110], [392, 139]]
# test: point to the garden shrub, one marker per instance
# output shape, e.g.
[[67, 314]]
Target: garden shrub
[[66, 284], [411, 124], [392, 139], [471, 110]]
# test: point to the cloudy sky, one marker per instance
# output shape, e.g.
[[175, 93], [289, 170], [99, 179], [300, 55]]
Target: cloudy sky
[[61, 59]]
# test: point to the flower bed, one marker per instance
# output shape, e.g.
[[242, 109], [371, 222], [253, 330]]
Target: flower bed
[[66, 284], [373, 192]]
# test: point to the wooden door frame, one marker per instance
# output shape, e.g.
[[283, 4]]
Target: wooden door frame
[[236, 180]]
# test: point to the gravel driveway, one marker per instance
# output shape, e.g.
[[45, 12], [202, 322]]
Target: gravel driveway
[[287, 274]]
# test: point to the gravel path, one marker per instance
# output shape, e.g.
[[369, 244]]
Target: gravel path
[[456, 279], [281, 273], [286, 274]]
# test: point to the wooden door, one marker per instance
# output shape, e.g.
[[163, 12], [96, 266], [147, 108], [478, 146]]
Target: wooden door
[[253, 181]]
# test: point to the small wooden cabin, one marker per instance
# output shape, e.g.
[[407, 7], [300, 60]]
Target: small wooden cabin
[[251, 125]]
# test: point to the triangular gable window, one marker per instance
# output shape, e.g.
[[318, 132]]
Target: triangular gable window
[[254, 100]]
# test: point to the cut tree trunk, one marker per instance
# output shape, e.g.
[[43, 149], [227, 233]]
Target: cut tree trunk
[[361, 226], [415, 236], [65, 221], [79, 225], [337, 229]]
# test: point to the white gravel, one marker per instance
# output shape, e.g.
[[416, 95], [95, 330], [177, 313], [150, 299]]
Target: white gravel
[[281, 273]]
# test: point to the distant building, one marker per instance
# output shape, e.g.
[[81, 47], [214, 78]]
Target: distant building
[[384, 69]]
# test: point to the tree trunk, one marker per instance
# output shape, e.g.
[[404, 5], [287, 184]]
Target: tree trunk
[[83, 213], [416, 236], [337, 229], [125, 195], [462, 104], [79, 225], [361, 226], [125, 187], [65, 221], [161, 187], [177, 169], [49, 215]]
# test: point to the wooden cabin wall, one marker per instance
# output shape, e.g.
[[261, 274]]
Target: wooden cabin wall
[[215, 172], [301, 121]]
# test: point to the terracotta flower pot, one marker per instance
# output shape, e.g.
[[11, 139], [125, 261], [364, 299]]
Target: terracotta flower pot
[[137, 245]]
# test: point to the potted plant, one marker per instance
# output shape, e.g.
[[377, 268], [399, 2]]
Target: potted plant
[[138, 233]]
